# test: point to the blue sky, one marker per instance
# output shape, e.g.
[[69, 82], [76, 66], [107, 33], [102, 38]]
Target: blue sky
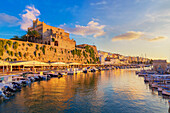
[[128, 27]]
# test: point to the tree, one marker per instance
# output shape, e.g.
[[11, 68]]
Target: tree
[[33, 33], [15, 38]]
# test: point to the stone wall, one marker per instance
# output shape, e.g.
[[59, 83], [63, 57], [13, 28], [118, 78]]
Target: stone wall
[[12, 50]]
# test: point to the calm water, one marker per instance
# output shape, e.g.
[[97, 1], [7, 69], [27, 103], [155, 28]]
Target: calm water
[[118, 91]]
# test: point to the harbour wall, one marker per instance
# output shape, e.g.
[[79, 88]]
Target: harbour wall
[[13, 50]]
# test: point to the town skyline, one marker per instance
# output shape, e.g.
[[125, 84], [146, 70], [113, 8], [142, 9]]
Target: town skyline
[[134, 29]]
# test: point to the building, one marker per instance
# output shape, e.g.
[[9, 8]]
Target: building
[[51, 35], [160, 65]]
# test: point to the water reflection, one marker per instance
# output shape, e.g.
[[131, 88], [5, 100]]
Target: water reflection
[[105, 91]]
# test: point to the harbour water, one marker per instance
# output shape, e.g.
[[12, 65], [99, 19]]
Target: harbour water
[[116, 91]]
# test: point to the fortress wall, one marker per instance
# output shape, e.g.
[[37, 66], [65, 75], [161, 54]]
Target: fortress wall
[[26, 51]]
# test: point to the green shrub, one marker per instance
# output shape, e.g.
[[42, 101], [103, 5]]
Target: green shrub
[[1, 47], [30, 44], [9, 53], [25, 55], [55, 50], [20, 54], [35, 53], [6, 47], [53, 39], [16, 54], [23, 44], [1, 52], [37, 47], [12, 54], [15, 45], [26, 48], [9, 43], [43, 49], [51, 48]]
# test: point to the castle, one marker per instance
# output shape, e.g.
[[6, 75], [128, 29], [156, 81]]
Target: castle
[[52, 35], [53, 45]]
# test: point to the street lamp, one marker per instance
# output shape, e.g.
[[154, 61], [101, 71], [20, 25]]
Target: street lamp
[[3, 66]]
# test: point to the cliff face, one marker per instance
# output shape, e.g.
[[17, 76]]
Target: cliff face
[[12, 50]]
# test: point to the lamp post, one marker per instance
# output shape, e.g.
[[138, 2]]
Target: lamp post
[[33, 66], [27, 37], [3, 66]]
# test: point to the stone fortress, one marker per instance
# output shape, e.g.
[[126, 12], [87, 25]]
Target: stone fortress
[[52, 36], [54, 45]]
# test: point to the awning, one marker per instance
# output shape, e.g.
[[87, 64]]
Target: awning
[[3, 63], [29, 63], [73, 63], [58, 64]]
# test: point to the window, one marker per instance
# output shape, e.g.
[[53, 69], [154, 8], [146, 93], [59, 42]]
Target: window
[[56, 43]]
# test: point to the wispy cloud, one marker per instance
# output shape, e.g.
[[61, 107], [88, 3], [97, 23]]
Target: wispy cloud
[[99, 3], [31, 13], [92, 28], [156, 38], [5, 18], [130, 35]]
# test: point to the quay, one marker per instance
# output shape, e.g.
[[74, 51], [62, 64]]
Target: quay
[[21, 66]]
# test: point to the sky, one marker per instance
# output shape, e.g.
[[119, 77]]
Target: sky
[[128, 27]]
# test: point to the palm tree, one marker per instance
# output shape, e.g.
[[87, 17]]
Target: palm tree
[[34, 34]]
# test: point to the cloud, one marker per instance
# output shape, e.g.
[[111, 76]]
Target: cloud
[[157, 38], [92, 28], [5, 18], [99, 3], [130, 35], [31, 13]]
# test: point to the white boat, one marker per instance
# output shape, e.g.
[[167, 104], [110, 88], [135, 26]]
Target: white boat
[[166, 92]]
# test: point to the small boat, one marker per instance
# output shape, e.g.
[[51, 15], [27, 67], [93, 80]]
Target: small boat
[[166, 92]]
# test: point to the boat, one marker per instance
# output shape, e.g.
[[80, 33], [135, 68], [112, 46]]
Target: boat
[[166, 92]]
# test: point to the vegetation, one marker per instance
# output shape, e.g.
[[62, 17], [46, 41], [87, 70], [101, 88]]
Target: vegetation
[[6, 47], [20, 54], [15, 45], [9, 43], [15, 38], [76, 52], [53, 39], [43, 49], [84, 54], [51, 48], [25, 55], [2, 47], [35, 53], [12, 54], [23, 44], [16, 54], [37, 47], [33, 33], [30, 44]]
